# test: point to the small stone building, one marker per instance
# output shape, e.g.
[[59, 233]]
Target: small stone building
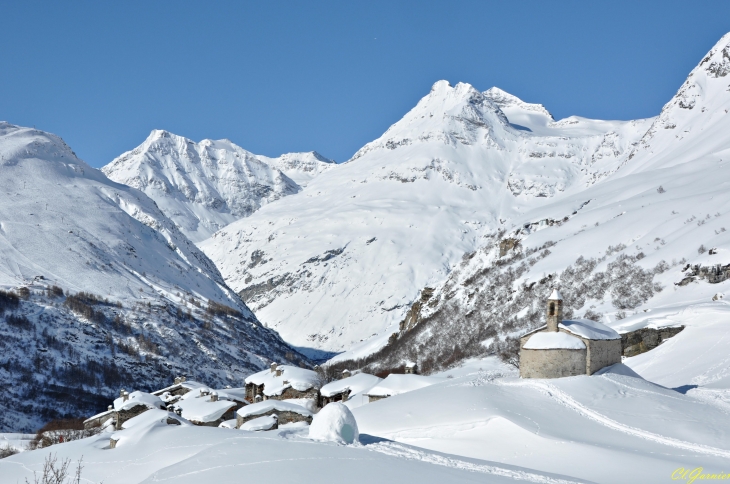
[[282, 382], [285, 412], [567, 347]]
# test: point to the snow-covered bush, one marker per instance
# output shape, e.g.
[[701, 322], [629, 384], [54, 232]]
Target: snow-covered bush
[[335, 423]]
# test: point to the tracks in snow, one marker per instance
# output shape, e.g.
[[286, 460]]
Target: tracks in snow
[[568, 401]]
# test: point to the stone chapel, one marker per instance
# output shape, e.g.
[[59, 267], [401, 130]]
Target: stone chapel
[[567, 347]]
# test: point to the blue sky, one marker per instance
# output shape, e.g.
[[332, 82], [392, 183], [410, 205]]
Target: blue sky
[[276, 77]]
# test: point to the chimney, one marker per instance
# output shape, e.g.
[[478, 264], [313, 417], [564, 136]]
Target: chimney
[[109, 408], [345, 374], [279, 371], [554, 311], [125, 396], [177, 381], [273, 367], [121, 392], [257, 399], [286, 382], [213, 396]]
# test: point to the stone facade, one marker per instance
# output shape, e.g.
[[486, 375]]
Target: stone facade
[[601, 353], [645, 339], [124, 415], [290, 393], [375, 398], [554, 363], [285, 417]]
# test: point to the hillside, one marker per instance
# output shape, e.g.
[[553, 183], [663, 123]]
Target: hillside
[[646, 247], [203, 187], [342, 260], [100, 289]]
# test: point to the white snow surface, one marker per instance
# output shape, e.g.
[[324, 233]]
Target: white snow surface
[[138, 398], [199, 408], [205, 186], [403, 211], [334, 423], [359, 383], [552, 340], [555, 295], [262, 423], [113, 238], [300, 379], [395, 384], [268, 405], [149, 451], [585, 328]]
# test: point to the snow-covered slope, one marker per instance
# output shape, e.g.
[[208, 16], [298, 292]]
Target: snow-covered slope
[[159, 305], [205, 186], [653, 236], [342, 260]]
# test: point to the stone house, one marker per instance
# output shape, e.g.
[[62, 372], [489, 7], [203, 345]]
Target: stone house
[[286, 412], [282, 382], [347, 387], [567, 347]]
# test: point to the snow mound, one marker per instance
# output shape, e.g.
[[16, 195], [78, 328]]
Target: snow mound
[[268, 405], [548, 340], [397, 384], [261, 423], [359, 383], [335, 423]]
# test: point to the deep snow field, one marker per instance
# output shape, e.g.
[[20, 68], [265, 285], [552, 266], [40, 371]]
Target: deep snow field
[[477, 423]]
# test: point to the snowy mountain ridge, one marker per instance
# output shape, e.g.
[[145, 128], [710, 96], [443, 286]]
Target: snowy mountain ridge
[[101, 290], [401, 213], [205, 186]]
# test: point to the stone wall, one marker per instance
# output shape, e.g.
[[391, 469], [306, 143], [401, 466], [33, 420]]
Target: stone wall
[[553, 363], [375, 398], [285, 417], [601, 353], [124, 415], [290, 393], [645, 339]]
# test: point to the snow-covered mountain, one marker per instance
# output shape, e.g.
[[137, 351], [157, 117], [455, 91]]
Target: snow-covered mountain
[[107, 284], [205, 186], [343, 260], [648, 246]]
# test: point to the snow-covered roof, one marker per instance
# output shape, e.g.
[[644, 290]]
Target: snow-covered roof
[[397, 384], [190, 385], [138, 398], [299, 379], [199, 408], [554, 340], [356, 384], [261, 423], [99, 415], [555, 295], [237, 394], [585, 328], [268, 405]]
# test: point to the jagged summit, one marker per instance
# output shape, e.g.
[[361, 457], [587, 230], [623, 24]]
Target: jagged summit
[[695, 122], [506, 100]]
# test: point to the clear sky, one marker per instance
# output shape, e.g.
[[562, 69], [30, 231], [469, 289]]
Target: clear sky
[[277, 76]]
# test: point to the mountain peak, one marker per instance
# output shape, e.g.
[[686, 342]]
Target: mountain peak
[[505, 100]]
